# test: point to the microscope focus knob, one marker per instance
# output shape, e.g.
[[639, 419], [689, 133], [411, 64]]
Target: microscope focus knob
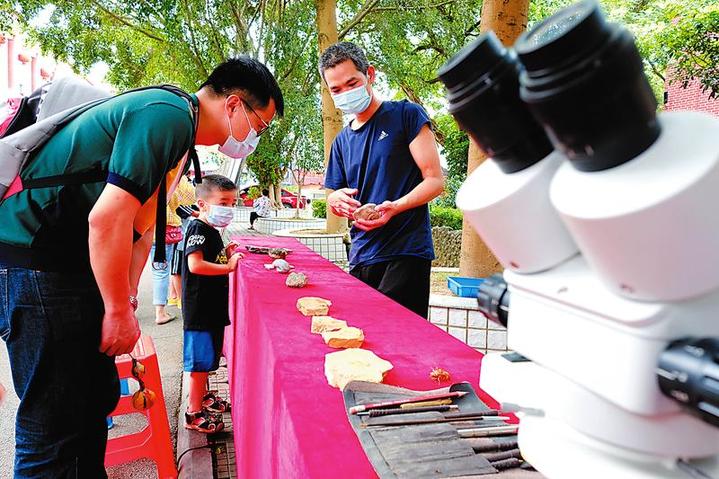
[[688, 373], [493, 299]]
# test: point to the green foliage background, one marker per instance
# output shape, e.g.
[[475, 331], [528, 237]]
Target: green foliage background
[[179, 41]]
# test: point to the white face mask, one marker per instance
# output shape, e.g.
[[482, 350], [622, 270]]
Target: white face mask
[[240, 149], [353, 101], [220, 216]]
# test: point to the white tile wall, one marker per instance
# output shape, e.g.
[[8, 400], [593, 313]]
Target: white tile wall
[[497, 340], [458, 317], [438, 316], [270, 225], [459, 333], [330, 247], [461, 318], [242, 213], [477, 338], [476, 320]]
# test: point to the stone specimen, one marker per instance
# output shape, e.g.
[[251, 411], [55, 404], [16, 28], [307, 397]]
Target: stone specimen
[[344, 338], [321, 324], [278, 253], [282, 266], [313, 306], [354, 364], [366, 212], [296, 280]]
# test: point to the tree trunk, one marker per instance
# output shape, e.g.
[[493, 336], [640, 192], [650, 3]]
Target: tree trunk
[[299, 194], [331, 116], [275, 196], [278, 196], [508, 19]]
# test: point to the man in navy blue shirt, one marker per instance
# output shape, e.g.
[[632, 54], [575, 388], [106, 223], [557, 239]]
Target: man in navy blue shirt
[[387, 155]]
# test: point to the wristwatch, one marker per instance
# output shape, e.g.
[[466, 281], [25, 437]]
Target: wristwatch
[[133, 302]]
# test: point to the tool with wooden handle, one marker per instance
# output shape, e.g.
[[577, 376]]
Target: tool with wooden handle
[[414, 410], [453, 418], [488, 445], [438, 402], [506, 430], [399, 402]]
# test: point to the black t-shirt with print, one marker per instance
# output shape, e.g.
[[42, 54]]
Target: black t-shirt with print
[[204, 298]]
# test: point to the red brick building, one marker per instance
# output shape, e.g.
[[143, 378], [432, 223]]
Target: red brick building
[[690, 98], [22, 68]]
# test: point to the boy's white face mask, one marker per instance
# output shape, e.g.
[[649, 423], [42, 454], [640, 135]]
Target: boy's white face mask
[[220, 216]]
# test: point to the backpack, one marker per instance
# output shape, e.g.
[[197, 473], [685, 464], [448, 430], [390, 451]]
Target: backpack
[[45, 112]]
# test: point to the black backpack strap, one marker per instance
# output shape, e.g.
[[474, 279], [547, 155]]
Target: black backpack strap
[[26, 113], [93, 175], [193, 159], [161, 223], [161, 214]]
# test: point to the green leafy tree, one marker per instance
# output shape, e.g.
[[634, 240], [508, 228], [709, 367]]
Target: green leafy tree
[[678, 40], [455, 150]]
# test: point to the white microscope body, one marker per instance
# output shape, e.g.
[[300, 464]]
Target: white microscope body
[[594, 325], [605, 268]]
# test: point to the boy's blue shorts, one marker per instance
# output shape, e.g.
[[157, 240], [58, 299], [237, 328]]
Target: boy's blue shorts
[[202, 350]]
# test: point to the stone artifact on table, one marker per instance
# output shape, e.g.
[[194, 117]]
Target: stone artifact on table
[[313, 306], [280, 265], [349, 337], [354, 364], [278, 253], [321, 324], [366, 212], [296, 280]]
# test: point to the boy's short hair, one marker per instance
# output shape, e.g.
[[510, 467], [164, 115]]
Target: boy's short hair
[[212, 183], [265, 192]]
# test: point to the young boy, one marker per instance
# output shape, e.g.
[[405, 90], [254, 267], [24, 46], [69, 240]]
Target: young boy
[[205, 289]]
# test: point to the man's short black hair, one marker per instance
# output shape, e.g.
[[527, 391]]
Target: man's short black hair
[[212, 183], [265, 192], [340, 52], [251, 78]]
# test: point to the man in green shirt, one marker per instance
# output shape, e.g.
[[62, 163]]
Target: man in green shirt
[[71, 255]]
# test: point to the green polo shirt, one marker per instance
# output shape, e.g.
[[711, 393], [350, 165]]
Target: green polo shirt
[[135, 138]]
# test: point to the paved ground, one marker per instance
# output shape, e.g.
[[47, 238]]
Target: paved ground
[[168, 342]]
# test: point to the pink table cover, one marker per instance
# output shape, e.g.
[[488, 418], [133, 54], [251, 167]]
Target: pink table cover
[[287, 421]]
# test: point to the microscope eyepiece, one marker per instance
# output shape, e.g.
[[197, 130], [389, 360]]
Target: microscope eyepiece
[[583, 79], [482, 82], [688, 373]]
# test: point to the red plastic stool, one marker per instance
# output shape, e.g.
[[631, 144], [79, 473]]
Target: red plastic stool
[[153, 441]]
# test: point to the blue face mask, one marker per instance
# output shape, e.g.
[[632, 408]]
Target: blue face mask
[[220, 216], [353, 101]]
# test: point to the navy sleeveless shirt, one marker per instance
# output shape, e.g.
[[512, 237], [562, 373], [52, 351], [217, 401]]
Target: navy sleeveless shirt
[[376, 160]]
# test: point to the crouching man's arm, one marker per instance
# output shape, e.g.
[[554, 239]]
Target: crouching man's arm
[[111, 251]]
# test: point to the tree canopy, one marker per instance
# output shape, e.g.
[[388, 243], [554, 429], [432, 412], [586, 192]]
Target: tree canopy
[[180, 41]]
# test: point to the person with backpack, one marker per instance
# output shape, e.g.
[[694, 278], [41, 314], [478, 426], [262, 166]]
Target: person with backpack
[[77, 227]]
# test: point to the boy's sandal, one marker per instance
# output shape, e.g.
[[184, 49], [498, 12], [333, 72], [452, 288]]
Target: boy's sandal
[[203, 422], [215, 404]]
